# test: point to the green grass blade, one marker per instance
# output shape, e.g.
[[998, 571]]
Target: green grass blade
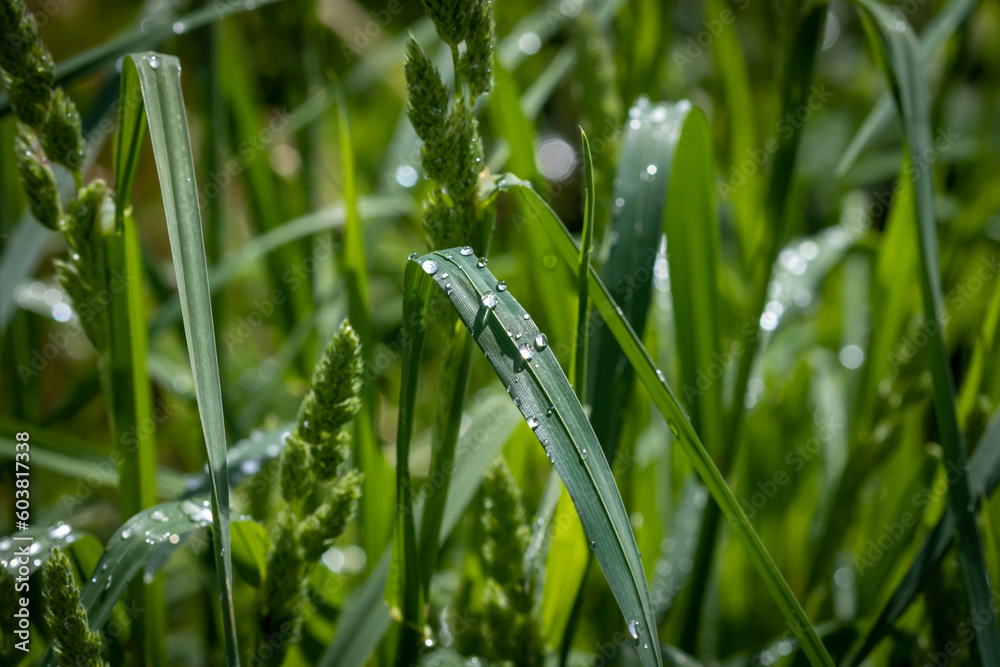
[[375, 515], [579, 364], [521, 358], [693, 255], [636, 227], [984, 478], [403, 591], [898, 52], [453, 385], [130, 400], [158, 79], [665, 401], [938, 31], [128, 395]]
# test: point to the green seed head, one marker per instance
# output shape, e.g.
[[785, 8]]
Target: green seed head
[[506, 530], [450, 17], [329, 453], [284, 590], [446, 225], [32, 80], [297, 477], [72, 641], [37, 179], [318, 531], [17, 36], [83, 276], [476, 63], [333, 398], [426, 92], [62, 136]]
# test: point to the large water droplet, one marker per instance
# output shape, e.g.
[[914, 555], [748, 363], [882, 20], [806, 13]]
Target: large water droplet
[[490, 300], [413, 256], [541, 341], [481, 263], [526, 352], [502, 286], [533, 423], [154, 62], [467, 250], [430, 266], [634, 628]]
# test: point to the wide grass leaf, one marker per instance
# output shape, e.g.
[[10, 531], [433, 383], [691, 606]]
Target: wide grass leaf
[[151, 88], [667, 403], [522, 359]]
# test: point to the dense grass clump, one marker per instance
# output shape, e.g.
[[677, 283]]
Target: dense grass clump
[[462, 333]]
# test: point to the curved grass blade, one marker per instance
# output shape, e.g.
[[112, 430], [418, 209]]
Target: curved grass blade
[[521, 358], [938, 31], [984, 478], [668, 405], [151, 86], [896, 47]]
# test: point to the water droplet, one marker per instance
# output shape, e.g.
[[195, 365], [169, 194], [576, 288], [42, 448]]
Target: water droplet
[[490, 300], [526, 352], [127, 533], [533, 423], [634, 628], [551, 411], [502, 286], [517, 402], [673, 428], [59, 531], [481, 263], [413, 256], [430, 266], [541, 341], [179, 27], [154, 62], [593, 545], [467, 250], [583, 453], [526, 317]]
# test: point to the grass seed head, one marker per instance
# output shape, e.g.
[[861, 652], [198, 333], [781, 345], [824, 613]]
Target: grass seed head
[[72, 641], [37, 179]]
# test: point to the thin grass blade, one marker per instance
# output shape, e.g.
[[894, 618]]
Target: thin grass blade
[[154, 81]]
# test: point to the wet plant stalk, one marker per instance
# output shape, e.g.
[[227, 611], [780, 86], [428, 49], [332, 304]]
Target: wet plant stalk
[[128, 395]]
